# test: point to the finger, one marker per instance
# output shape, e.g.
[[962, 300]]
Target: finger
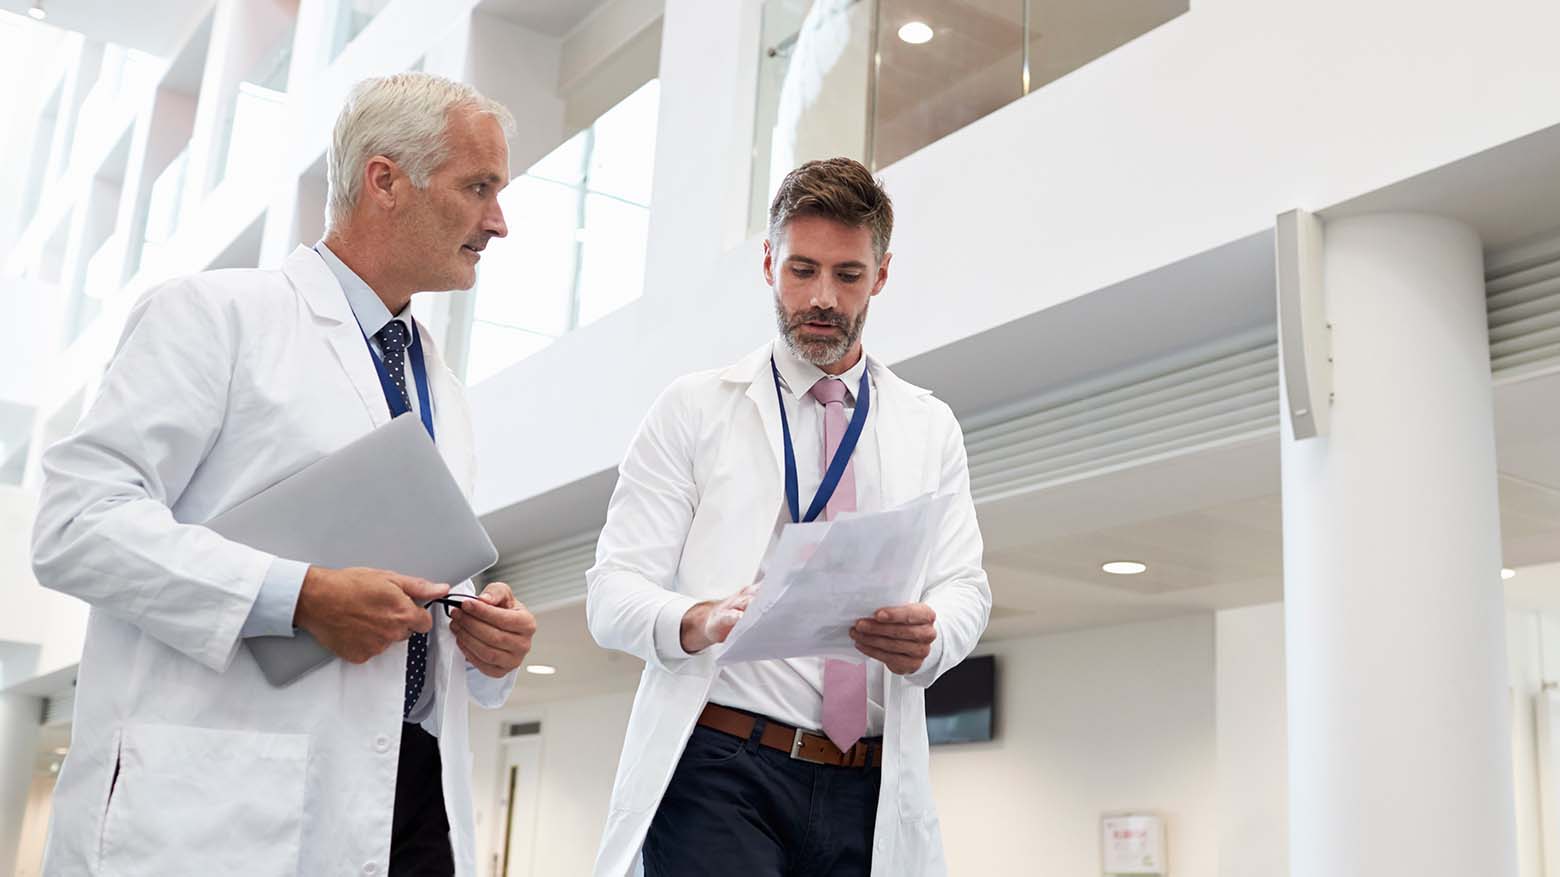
[[419, 620], [891, 645], [910, 613], [722, 622], [486, 634], [921, 633], [516, 619], [486, 668], [478, 649], [498, 594], [420, 590], [898, 664]]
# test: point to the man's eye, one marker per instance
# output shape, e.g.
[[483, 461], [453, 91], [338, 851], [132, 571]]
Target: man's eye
[[849, 278], [802, 272]]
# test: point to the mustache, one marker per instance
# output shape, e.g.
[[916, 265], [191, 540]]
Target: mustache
[[819, 315]]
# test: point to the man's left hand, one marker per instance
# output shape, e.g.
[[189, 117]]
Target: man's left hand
[[899, 636], [493, 631]]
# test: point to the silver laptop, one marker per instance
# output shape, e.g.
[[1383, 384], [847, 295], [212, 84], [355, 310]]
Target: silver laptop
[[387, 500]]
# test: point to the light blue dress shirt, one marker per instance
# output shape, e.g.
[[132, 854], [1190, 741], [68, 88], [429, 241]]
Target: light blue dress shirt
[[272, 613]]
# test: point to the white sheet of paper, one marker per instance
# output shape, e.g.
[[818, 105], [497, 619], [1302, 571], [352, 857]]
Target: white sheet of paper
[[818, 578]]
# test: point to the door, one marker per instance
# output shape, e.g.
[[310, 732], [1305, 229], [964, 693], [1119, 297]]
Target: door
[[519, 792]]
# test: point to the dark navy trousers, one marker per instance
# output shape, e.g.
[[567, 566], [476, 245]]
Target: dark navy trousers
[[735, 807]]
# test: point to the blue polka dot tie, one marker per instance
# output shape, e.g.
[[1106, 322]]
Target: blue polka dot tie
[[392, 343]]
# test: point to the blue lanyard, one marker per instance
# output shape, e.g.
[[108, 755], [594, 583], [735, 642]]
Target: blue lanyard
[[836, 470], [419, 377]]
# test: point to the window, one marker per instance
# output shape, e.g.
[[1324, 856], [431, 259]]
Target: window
[[578, 220]]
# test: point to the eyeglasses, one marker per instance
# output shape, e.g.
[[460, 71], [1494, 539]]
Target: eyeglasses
[[449, 602]]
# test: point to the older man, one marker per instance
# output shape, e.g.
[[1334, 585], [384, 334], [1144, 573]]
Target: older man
[[184, 759]]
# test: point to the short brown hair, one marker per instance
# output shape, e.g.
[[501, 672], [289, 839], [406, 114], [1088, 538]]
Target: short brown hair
[[841, 189]]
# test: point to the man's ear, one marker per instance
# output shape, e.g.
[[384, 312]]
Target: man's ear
[[882, 275], [379, 175], [769, 263]]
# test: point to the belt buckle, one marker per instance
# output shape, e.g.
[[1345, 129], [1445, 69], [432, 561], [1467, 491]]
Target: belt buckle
[[796, 748]]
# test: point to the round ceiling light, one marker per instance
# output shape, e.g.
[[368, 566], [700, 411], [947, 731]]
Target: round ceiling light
[[1508, 573], [541, 669], [916, 32], [1125, 567]]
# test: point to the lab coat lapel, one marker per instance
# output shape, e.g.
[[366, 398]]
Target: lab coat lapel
[[322, 293]]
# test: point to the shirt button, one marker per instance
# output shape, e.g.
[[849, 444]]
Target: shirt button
[[382, 744], [370, 868]]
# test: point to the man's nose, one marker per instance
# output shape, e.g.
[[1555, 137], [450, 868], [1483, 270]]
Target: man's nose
[[493, 223]]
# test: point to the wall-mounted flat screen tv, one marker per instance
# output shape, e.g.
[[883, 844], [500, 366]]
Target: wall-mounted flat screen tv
[[961, 706]]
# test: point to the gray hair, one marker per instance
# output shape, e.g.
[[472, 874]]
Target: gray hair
[[402, 117]]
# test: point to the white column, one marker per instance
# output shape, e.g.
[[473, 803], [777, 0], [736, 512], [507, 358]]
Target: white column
[[704, 139], [1399, 738]]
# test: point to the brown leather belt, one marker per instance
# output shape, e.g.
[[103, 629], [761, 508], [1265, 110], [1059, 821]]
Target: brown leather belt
[[800, 745]]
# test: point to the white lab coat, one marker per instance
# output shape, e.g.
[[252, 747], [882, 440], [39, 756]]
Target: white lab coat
[[223, 384], [694, 510]]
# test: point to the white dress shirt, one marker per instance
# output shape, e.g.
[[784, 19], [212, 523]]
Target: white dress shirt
[[791, 690]]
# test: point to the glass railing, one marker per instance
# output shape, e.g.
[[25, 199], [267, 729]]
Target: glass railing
[[352, 18], [105, 270], [255, 138], [250, 137], [162, 214], [876, 80], [124, 75], [578, 224]]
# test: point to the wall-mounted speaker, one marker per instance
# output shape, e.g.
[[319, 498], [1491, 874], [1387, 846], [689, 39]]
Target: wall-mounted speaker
[[1304, 335]]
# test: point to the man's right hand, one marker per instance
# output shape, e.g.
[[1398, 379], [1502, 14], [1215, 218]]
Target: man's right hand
[[710, 622], [357, 613]]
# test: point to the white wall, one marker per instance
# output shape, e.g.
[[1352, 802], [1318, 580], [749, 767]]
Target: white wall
[[1253, 808], [581, 740], [1530, 664], [1192, 136], [519, 69], [1117, 718], [1092, 721]]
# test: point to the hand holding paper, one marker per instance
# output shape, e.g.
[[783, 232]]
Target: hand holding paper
[[822, 578], [899, 636], [710, 622]]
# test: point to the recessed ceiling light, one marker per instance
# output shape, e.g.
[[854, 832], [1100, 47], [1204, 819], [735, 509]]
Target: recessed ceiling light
[[1124, 567], [916, 32], [1508, 573], [36, 13], [541, 669]]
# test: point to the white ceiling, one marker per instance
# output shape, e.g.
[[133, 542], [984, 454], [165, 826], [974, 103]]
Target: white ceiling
[[153, 26], [554, 18]]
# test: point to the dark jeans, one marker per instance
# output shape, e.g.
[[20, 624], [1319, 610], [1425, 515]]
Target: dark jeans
[[735, 807], [420, 829]]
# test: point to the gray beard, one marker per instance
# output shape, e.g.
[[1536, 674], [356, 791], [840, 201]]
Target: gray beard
[[818, 353]]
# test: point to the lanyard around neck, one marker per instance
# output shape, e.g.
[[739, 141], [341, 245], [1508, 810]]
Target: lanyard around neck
[[419, 377], [836, 470]]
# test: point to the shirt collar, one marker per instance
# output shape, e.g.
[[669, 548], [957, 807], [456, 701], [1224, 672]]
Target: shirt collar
[[367, 307], [797, 375]]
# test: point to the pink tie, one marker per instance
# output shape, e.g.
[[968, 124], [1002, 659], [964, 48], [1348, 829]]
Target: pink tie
[[844, 682]]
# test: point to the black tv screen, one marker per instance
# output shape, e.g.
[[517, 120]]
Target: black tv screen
[[960, 706]]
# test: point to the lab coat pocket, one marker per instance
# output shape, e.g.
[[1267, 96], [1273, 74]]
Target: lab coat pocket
[[202, 801]]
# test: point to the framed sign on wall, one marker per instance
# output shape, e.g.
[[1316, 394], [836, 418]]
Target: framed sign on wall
[[1133, 845]]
